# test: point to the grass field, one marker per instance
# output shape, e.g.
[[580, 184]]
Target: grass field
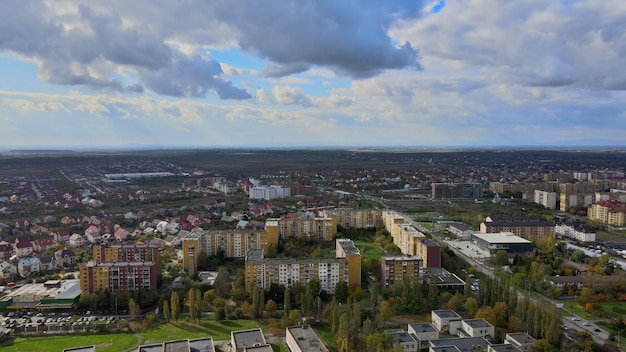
[[125, 341], [369, 250]]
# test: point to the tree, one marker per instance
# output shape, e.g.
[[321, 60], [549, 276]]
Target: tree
[[220, 313], [175, 305], [287, 302], [501, 258], [166, 310], [488, 314], [270, 306], [385, 311], [134, 309]]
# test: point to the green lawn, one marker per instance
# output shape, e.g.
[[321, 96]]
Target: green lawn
[[124, 341], [369, 250]]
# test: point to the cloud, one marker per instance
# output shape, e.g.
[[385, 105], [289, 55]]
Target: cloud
[[349, 37], [100, 48], [532, 42]]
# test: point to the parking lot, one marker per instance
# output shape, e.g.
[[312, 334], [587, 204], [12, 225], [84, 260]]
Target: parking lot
[[56, 323]]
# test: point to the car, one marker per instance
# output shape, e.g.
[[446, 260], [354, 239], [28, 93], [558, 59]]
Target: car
[[596, 330], [575, 319], [586, 323]]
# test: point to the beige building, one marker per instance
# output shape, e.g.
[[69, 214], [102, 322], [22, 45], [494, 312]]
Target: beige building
[[285, 272], [401, 268], [234, 244], [610, 212], [305, 226], [356, 218]]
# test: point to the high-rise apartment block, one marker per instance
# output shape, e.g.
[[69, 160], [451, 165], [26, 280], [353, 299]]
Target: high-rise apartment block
[[263, 272], [115, 277], [610, 212], [399, 268], [233, 243], [356, 218], [457, 190], [305, 226]]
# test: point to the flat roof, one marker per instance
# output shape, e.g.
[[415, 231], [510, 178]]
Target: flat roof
[[501, 237], [423, 327], [248, 338], [504, 347], [81, 349], [35, 292], [463, 344], [446, 313], [400, 336], [348, 246], [477, 323], [307, 339]]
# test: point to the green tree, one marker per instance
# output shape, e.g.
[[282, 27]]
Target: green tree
[[287, 302], [471, 307]]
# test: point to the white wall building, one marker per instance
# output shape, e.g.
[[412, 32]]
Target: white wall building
[[270, 192], [547, 199]]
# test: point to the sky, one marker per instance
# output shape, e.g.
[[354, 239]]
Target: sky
[[323, 73]]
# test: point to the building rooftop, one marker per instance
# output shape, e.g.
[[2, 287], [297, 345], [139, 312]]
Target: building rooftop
[[467, 344], [477, 323], [423, 327], [247, 338], [501, 237], [81, 349], [204, 344], [53, 290], [504, 347], [400, 335], [402, 258], [307, 339], [446, 313], [348, 246], [521, 337]]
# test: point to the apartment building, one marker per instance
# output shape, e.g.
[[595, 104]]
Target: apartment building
[[304, 226], [233, 243], [270, 192], [610, 212], [126, 253], [115, 277], [399, 268], [457, 190], [356, 218], [523, 226], [345, 248], [547, 199], [264, 272]]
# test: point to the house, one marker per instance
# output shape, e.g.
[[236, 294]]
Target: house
[[62, 236], [23, 249], [93, 234], [43, 244], [76, 240], [28, 266], [571, 281], [47, 263], [121, 234], [65, 257]]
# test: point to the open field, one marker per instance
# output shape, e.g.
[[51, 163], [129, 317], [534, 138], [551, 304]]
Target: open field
[[369, 250], [116, 342]]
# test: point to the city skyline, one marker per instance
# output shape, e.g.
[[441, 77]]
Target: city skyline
[[476, 73]]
